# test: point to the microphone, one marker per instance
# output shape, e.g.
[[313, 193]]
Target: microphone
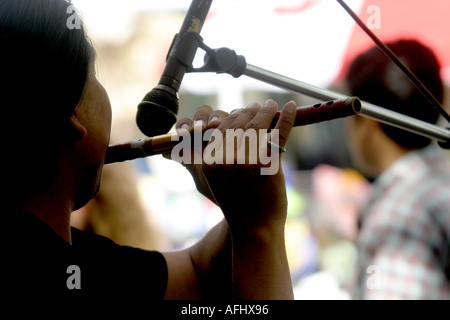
[[157, 112]]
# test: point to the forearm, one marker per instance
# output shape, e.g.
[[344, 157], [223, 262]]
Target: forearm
[[260, 266], [246, 266], [211, 258]]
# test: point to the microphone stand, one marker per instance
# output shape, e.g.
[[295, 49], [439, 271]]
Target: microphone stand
[[224, 60]]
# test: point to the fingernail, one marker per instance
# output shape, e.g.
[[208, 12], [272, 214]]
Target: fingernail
[[291, 107], [236, 111], [198, 123], [270, 104], [184, 130], [214, 118], [253, 106]]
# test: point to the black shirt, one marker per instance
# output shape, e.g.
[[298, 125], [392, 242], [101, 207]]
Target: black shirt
[[37, 261]]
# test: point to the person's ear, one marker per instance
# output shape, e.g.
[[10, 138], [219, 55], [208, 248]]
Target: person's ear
[[76, 129]]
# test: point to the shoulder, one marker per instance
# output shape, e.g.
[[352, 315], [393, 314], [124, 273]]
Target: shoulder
[[110, 266]]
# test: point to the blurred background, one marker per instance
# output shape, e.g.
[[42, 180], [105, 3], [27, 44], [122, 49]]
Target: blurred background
[[152, 203]]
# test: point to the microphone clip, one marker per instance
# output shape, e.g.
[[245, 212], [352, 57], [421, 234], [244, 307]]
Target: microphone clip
[[181, 45], [222, 60]]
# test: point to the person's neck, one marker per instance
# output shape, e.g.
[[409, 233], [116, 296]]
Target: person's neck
[[55, 216], [388, 154], [52, 205]]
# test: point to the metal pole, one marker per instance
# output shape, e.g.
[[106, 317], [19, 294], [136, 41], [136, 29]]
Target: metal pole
[[368, 110]]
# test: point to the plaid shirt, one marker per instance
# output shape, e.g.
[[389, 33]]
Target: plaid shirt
[[404, 240]]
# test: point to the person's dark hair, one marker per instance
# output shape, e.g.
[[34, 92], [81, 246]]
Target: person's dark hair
[[44, 63], [375, 79], [44, 68]]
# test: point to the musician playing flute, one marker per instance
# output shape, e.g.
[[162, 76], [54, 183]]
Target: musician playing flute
[[56, 134]]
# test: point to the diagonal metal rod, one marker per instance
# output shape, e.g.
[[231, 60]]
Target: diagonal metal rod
[[394, 58]]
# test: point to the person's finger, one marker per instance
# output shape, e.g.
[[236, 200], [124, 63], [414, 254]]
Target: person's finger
[[216, 118], [264, 117], [233, 133], [225, 124], [185, 124], [201, 117], [286, 122], [245, 116]]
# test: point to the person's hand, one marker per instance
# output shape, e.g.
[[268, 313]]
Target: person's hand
[[204, 118], [251, 192], [246, 180], [249, 189]]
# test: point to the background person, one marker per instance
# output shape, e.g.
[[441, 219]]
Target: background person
[[404, 238]]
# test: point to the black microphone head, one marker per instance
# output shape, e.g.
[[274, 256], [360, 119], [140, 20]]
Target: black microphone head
[[157, 112]]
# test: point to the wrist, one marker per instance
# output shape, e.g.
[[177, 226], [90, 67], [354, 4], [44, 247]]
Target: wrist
[[260, 234], [260, 264]]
